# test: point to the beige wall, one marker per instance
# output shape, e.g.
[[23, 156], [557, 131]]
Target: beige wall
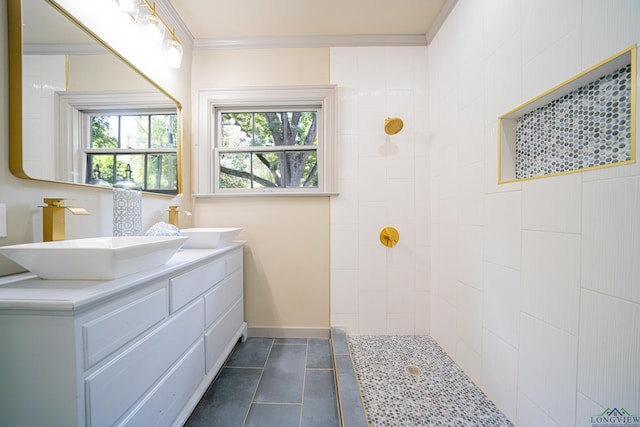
[[287, 254], [103, 72]]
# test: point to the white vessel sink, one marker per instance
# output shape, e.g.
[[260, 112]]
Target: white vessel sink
[[98, 258], [209, 238]]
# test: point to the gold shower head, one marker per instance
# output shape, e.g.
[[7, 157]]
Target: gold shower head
[[393, 125]]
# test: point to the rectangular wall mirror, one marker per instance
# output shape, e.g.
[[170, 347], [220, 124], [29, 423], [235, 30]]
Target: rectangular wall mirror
[[80, 113]]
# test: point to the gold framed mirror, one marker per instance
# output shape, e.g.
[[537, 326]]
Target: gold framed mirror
[[79, 113]]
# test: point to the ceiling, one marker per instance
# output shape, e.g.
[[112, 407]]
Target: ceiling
[[245, 19]]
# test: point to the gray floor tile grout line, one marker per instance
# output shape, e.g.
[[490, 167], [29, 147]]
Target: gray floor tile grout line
[[304, 381], [258, 383]]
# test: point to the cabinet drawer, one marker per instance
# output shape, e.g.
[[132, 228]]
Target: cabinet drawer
[[220, 298], [234, 261], [104, 335], [114, 388], [188, 286], [219, 336], [171, 395]]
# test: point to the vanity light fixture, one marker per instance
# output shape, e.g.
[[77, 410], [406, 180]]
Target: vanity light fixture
[[154, 28], [173, 51], [130, 7], [171, 47]]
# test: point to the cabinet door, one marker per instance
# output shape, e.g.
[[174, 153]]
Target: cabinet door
[[219, 338], [169, 398], [219, 299], [234, 261], [107, 333], [187, 286], [114, 388]]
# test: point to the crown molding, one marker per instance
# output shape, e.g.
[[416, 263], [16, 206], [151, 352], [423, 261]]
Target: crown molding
[[166, 9], [319, 41], [309, 41], [446, 9]]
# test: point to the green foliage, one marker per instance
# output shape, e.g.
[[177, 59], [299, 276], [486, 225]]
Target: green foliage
[[277, 168], [153, 171]]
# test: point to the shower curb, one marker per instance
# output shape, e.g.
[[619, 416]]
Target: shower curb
[[350, 406]]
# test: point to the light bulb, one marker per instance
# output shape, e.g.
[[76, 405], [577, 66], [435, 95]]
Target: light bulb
[[173, 53], [130, 7], [153, 29]]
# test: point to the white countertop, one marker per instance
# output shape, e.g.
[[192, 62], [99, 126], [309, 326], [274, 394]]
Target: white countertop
[[28, 292]]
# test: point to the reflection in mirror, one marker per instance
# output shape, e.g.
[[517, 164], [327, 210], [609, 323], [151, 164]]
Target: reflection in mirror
[[87, 117]]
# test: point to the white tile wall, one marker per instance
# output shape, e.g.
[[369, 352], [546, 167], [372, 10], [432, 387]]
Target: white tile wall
[[422, 307], [443, 324], [43, 76], [470, 361], [553, 204], [607, 30], [530, 415], [560, 19], [384, 182], [587, 408], [500, 373], [551, 278], [538, 77], [610, 220], [469, 317], [471, 146], [503, 218], [344, 246], [344, 293], [608, 368], [547, 368], [560, 300], [501, 302], [503, 79], [472, 194], [501, 20], [555, 296], [470, 259]]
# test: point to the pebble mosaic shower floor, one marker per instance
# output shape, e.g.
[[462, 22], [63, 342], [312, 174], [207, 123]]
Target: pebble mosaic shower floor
[[442, 395]]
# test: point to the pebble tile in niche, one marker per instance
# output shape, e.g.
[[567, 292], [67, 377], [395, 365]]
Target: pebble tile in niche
[[441, 396], [588, 127]]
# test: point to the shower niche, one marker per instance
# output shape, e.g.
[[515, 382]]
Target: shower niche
[[585, 123]]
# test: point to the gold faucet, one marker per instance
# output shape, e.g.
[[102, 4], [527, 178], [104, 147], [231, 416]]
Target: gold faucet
[[173, 215], [53, 218]]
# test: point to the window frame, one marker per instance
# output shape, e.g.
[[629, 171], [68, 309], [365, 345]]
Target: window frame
[[278, 98], [72, 139], [146, 152]]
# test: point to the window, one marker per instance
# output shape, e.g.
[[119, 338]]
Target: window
[[266, 141], [267, 149], [138, 145], [106, 137]]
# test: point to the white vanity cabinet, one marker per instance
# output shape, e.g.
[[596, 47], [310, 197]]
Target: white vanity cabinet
[[136, 351]]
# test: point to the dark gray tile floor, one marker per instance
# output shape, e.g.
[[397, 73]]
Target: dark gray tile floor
[[272, 382]]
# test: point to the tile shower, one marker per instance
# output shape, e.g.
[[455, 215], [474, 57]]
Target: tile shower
[[527, 286]]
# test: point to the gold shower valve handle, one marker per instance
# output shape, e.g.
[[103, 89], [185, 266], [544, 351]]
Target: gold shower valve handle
[[389, 236]]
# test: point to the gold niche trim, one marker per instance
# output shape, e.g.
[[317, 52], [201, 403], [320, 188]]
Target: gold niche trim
[[507, 121]]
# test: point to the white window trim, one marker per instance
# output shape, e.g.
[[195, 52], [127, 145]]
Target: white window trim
[[70, 107], [209, 100]]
